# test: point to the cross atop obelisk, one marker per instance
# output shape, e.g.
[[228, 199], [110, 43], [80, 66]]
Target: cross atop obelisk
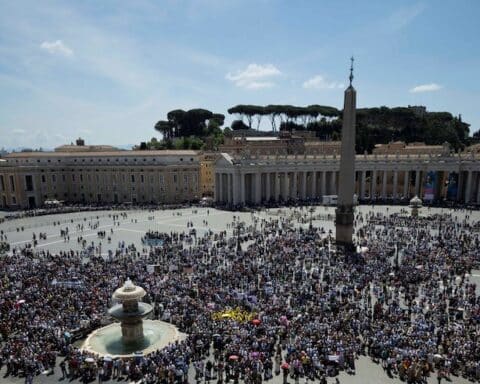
[[351, 70], [346, 188]]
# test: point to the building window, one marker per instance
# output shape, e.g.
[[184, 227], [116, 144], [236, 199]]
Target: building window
[[29, 182], [12, 184], [185, 179], [14, 200], [133, 178], [142, 179], [175, 179], [2, 182], [161, 179], [54, 179], [73, 177], [43, 179]]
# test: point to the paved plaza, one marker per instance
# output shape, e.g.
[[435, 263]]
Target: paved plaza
[[131, 228]]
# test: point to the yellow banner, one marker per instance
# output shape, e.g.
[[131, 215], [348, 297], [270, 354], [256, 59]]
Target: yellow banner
[[236, 314]]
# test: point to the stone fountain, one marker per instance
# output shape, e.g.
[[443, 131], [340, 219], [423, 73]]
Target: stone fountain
[[130, 311], [134, 333]]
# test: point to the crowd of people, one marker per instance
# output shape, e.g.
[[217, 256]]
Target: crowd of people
[[405, 300]]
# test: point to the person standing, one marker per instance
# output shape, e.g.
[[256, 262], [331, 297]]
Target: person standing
[[439, 376], [64, 369]]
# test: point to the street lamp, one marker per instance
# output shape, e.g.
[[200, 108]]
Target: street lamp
[[239, 247]]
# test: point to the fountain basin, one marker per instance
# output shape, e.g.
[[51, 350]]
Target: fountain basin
[[108, 340], [118, 312]]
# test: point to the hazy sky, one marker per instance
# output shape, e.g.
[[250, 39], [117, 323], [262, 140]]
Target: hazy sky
[[108, 70]]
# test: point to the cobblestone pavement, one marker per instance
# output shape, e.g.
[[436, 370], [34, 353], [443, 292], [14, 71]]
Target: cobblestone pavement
[[137, 222]]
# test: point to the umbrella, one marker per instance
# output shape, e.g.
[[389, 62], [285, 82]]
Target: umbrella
[[256, 321], [89, 360], [254, 354], [285, 365], [233, 357], [226, 315], [107, 358], [138, 353], [67, 334]]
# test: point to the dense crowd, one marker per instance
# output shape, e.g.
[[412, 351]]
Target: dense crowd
[[405, 300]]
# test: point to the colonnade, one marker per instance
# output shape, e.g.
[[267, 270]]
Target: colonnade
[[239, 186]]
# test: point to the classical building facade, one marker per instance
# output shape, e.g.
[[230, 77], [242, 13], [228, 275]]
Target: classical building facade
[[286, 143], [99, 174], [256, 179], [207, 173]]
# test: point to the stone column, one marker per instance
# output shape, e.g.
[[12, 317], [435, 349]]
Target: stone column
[[277, 186], [295, 185], [242, 188], [468, 187], [406, 183], [417, 183], [395, 184], [478, 188], [324, 183], [229, 188], [384, 185], [235, 188], [258, 188], [314, 184], [284, 186], [220, 188], [363, 181], [217, 187], [373, 187], [303, 193], [267, 186], [334, 183], [460, 185]]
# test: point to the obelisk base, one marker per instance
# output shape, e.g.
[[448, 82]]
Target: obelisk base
[[344, 228]]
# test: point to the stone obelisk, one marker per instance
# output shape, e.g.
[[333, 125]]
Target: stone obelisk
[[346, 186]]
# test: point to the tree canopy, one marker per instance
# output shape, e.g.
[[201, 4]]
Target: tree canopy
[[281, 114], [188, 129], [378, 125]]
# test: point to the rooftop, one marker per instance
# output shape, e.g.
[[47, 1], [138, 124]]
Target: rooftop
[[104, 153]]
